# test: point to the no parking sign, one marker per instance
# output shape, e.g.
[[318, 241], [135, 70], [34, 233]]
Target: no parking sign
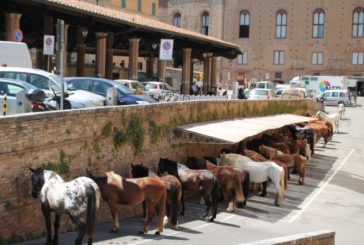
[[48, 45], [18, 35], [166, 49]]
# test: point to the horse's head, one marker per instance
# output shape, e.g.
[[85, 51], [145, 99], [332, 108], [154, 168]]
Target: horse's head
[[166, 165], [138, 171], [37, 181]]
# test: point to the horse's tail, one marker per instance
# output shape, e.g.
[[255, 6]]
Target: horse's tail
[[174, 196], [246, 185], [162, 210], [93, 197]]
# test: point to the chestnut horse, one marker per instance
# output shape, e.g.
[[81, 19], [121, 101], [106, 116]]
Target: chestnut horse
[[233, 182], [201, 181], [118, 190], [174, 192]]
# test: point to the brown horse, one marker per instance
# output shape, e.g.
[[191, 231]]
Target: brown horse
[[232, 181], [174, 192], [201, 181], [291, 160], [118, 190]]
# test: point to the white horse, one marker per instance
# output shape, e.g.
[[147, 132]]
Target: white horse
[[73, 198], [332, 118], [259, 172], [341, 110]]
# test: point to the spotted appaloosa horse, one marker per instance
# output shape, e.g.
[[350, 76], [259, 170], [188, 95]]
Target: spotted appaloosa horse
[[73, 198]]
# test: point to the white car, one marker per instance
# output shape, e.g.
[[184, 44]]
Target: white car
[[260, 94], [158, 89], [48, 82], [134, 85]]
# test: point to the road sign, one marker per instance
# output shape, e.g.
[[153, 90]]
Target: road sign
[[166, 49], [48, 45], [18, 35]]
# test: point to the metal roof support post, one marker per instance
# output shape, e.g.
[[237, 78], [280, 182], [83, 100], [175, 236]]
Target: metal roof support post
[[161, 69], [133, 58], [186, 70]]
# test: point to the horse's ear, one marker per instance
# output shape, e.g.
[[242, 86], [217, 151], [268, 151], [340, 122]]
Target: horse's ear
[[32, 170]]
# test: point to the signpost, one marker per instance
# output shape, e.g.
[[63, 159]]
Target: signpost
[[18, 35], [48, 45], [166, 49]]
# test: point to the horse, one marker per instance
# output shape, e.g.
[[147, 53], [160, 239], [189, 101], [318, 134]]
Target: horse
[[322, 129], [259, 172], [290, 160], [116, 189], [304, 132], [73, 198], [174, 192], [332, 118], [201, 181], [233, 182]]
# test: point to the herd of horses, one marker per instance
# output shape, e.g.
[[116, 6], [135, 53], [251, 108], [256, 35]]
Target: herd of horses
[[230, 175]]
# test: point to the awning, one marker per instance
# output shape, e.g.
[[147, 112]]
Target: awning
[[236, 130]]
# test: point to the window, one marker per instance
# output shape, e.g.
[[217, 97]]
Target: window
[[281, 28], [242, 59], [177, 20], [153, 9], [358, 22], [317, 58], [140, 65], [318, 24], [123, 4], [39, 81], [205, 24], [244, 24], [140, 5], [278, 75], [358, 58], [278, 58]]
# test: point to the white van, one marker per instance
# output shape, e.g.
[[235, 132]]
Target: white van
[[14, 54], [265, 85]]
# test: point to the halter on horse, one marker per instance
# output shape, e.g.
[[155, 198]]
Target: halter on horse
[[118, 190], [174, 192], [73, 198], [200, 181]]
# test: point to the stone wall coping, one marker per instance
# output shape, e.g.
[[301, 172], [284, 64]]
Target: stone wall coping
[[315, 235]]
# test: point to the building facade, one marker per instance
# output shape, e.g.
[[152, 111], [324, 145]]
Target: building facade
[[279, 39]]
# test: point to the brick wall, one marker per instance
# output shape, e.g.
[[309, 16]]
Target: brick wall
[[97, 139]]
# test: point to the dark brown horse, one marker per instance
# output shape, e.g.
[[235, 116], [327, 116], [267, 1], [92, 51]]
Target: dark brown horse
[[118, 190], [174, 192], [231, 180], [202, 182]]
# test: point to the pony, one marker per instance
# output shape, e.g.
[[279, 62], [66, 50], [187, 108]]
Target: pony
[[73, 198], [116, 189], [341, 110], [201, 181], [332, 118], [174, 192], [290, 160], [259, 172], [304, 132], [323, 129], [233, 182]]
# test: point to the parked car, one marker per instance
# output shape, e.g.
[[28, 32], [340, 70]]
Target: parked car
[[260, 94], [266, 85], [134, 85], [49, 82], [100, 86], [290, 93], [158, 89], [334, 97]]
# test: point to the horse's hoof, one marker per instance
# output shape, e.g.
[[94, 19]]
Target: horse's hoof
[[276, 203], [165, 220], [113, 230], [241, 204], [209, 219], [300, 182], [229, 210], [174, 227], [157, 233], [263, 194]]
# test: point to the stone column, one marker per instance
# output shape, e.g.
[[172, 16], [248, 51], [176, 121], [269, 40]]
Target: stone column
[[12, 22], [133, 58], [109, 55], [186, 71], [81, 50], [161, 69], [207, 72], [191, 75], [48, 26], [213, 73], [100, 53]]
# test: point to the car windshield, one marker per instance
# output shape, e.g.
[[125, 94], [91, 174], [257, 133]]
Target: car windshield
[[57, 79], [123, 89], [260, 85], [259, 92]]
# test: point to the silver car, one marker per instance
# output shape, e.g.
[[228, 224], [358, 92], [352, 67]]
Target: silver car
[[334, 97]]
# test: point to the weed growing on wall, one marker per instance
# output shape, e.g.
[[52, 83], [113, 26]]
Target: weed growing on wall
[[62, 167], [107, 129]]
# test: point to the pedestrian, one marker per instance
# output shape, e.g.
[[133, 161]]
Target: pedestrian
[[194, 88]]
